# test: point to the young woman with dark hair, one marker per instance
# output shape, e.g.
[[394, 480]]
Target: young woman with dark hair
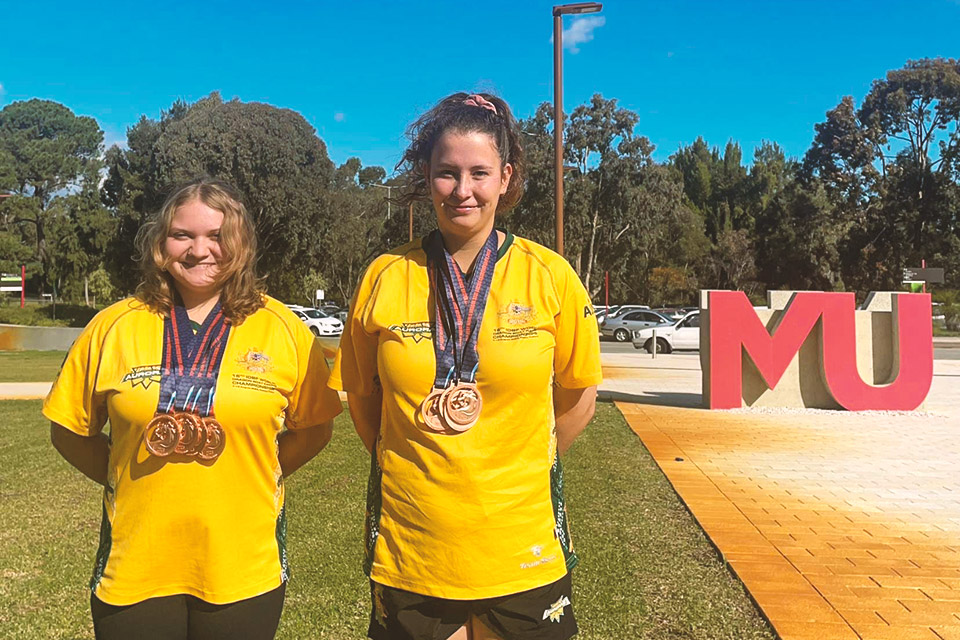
[[470, 359]]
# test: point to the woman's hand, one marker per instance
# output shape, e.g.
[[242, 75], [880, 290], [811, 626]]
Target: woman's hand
[[573, 409], [296, 447], [88, 454]]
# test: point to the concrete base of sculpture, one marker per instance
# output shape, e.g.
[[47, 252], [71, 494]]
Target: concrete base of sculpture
[[803, 382]]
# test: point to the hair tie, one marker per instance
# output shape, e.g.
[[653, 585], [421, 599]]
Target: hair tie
[[476, 100]]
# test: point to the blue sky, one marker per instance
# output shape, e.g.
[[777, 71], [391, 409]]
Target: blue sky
[[361, 71]]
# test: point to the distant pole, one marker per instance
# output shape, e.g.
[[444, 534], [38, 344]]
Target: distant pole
[[923, 265], [410, 221], [558, 125], [23, 285], [558, 13], [606, 279], [387, 187]]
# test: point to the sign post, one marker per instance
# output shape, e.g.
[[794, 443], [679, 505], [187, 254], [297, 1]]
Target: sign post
[[933, 275], [10, 282]]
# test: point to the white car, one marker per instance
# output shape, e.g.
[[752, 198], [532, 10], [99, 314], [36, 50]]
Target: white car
[[683, 334], [317, 321]]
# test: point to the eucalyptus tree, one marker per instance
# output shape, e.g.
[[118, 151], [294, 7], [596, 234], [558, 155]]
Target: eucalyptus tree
[[49, 161]]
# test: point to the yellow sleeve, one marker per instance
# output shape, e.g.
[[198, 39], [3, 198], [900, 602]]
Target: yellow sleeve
[[73, 401], [311, 401], [576, 359], [355, 367]]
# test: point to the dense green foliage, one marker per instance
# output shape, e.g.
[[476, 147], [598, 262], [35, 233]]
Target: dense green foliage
[[878, 190], [646, 569]]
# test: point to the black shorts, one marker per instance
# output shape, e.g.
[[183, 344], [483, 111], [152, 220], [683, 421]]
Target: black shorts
[[544, 613], [183, 617]]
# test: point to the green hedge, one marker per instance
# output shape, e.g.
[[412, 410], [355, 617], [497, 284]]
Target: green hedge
[[67, 315]]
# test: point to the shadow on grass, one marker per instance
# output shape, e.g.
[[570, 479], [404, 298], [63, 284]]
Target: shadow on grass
[[659, 398]]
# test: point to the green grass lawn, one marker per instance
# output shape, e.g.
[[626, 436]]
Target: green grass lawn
[[30, 366], [646, 569]]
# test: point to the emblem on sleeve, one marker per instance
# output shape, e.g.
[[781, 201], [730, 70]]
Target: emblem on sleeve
[[555, 610]]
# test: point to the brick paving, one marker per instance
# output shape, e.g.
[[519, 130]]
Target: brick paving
[[840, 525]]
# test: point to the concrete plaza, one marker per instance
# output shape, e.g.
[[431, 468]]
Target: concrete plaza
[[841, 525]]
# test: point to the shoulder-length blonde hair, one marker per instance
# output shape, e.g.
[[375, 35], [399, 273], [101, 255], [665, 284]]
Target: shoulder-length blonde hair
[[241, 291]]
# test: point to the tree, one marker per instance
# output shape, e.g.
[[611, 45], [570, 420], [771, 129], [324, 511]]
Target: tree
[[272, 155], [49, 158], [889, 170], [715, 185]]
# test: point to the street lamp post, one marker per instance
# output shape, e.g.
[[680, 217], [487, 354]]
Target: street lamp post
[[558, 13], [387, 187]]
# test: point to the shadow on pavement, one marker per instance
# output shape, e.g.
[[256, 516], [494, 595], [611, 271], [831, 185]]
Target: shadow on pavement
[[659, 398]]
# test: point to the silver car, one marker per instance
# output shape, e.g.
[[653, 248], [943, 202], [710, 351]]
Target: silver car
[[622, 327]]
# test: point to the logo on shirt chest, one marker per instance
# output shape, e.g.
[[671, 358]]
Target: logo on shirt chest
[[255, 361], [416, 330], [516, 314], [143, 376], [515, 320]]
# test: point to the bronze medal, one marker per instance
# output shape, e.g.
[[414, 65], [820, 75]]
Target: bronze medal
[[184, 422], [162, 435], [460, 406], [459, 300], [216, 439], [430, 411], [192, 434]]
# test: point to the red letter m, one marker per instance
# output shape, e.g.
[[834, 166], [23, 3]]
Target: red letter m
[[734, 328]]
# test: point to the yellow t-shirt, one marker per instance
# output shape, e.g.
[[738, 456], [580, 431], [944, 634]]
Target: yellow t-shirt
[[215, 530], [478, 514]]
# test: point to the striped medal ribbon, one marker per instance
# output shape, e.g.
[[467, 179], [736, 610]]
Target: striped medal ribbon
[[184, 423], [454, 404]]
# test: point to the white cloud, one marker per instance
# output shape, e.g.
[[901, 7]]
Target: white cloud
[[339, 116], [1, 88], [580, 31]]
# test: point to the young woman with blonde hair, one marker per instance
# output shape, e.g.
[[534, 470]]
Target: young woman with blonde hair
[[214, 393]]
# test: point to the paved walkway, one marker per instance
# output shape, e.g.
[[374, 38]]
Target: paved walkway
[[841, 525], [24, 390]]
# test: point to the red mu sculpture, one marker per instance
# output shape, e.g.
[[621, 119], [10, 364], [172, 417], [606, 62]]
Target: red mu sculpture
[[731, 328]]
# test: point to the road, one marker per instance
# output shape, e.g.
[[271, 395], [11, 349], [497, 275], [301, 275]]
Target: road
[[607, 346]]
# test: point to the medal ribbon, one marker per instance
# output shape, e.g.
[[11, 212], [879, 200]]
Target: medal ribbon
[[191, 363], [459, 303]]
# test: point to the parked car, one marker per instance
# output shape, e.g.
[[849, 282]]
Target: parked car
[[624, 308], [671, 312], [600, 311], [319, 323], [683, 334], [621, 328]]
